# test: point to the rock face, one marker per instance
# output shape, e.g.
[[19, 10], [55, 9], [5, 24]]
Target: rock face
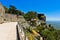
[[2, 13], [6, 17], [10, 17], [22, 22], [42, 17]]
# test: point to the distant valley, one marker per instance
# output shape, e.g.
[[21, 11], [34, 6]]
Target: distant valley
[[55, 24]]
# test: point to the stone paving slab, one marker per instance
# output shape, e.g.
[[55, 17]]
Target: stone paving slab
[[8, 31]]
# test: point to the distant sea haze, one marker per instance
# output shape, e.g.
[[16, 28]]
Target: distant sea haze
[[55, 24]]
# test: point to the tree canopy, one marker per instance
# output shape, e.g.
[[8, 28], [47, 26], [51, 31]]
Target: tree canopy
[[47, 33]]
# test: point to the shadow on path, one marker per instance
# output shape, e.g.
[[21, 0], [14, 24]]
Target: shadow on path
[[18, 37]]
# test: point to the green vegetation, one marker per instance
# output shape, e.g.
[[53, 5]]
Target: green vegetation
[[13, 10], [31, 14], [6, 9], [47, 32]]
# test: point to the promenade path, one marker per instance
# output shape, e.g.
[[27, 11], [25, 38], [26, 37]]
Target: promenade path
[[8, 31]]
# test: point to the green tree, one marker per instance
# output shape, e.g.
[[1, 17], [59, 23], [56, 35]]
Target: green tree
[[31, 14], [48, 35], [18, 12], [57, 34], [6, 9], [12, 9]]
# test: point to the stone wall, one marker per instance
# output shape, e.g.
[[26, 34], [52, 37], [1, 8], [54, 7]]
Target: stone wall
[[6, 17], [2, 13], [10, 17]]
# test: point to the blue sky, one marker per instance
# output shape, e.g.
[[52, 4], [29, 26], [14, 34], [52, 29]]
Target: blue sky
[[51, 8]]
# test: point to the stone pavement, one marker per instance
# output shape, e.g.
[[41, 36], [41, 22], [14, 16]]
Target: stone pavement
[[8, 31]]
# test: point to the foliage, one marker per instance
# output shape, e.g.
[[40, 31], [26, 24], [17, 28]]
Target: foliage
[[48, 33], [33, 23], [57, 34], [18, 12], [12, 9], [31, 14], [6, 9], [42, 17]]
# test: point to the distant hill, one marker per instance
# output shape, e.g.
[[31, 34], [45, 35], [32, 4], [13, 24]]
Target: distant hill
[[55, 24]]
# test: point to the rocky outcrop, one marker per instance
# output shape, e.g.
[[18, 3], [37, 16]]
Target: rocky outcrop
[[22, 22], [6, 17], [42, 17], [2, 13]]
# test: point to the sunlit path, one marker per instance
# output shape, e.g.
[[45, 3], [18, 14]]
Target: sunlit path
[[8, 31]]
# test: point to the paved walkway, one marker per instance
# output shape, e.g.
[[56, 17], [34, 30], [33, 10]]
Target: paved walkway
[[8, 31]]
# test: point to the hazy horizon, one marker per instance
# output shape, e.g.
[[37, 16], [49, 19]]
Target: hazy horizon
[[55, 24]]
